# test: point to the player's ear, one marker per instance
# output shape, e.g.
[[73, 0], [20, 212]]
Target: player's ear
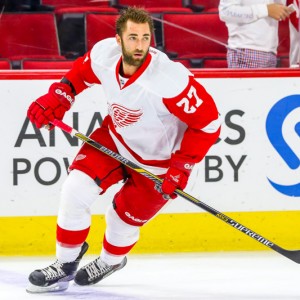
[[118, 39]]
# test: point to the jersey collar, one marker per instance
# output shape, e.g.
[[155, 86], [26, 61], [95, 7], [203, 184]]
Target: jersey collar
[[137, 74]]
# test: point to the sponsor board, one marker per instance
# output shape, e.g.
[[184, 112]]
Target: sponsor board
[[254, 166]]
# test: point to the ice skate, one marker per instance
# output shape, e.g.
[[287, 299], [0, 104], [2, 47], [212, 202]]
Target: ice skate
[[56, 277], [96, 270]]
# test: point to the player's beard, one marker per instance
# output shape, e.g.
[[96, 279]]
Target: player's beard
[[129, 59]]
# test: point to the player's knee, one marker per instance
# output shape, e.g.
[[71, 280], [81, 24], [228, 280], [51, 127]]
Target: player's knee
[[79, 192]]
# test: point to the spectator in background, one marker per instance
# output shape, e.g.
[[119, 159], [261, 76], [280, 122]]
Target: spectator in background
[[253, 31], [294, 35]]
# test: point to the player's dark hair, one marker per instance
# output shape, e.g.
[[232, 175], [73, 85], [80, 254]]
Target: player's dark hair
[[135, 14]]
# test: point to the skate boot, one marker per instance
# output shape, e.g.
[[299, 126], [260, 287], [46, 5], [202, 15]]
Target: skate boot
[[56, 277], [96, 271]]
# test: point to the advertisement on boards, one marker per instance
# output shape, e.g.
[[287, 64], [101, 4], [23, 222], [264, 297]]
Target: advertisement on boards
[[254, 166]]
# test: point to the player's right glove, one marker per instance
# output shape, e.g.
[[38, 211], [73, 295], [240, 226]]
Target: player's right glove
[[177, 175], [52, 105]]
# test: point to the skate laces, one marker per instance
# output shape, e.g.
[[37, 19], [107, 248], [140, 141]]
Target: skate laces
[[54, 271], [97, 268]]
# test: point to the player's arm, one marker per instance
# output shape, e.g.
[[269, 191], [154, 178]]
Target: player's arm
[[234, 11], [81, 76], [195, 107], [61, 95]]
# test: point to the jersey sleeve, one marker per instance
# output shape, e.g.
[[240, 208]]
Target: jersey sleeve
[[81, 75], [195, 107]]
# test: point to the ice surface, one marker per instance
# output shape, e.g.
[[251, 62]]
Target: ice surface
[[209, 276]]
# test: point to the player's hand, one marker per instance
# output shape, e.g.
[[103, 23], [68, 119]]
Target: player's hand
[[177, 175], [50, 106]]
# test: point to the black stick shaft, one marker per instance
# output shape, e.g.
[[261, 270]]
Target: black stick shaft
[[294, 255]]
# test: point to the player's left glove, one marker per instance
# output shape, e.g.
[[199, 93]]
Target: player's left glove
[[177, 174], [52, 105]]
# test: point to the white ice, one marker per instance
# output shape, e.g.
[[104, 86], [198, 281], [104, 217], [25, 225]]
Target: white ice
[[210, 276]]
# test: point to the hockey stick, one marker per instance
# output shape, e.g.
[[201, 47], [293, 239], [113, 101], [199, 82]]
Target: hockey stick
[[294, 255]]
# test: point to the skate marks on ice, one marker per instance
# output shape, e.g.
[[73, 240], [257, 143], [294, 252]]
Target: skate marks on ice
[[216, 276]]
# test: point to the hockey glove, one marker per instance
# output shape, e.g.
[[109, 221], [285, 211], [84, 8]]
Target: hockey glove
[[52, 105], [177, 175]]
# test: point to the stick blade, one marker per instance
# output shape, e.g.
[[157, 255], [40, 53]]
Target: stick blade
[[294, 255]]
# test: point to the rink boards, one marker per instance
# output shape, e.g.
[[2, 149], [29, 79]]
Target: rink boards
[[252, 173]]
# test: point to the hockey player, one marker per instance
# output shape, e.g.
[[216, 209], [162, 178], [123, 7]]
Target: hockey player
[[159, 116]]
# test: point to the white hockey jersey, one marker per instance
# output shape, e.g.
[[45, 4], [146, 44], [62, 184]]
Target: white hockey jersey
[[160, 110]]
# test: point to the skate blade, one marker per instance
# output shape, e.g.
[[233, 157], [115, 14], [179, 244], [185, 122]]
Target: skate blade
[[57, 287]]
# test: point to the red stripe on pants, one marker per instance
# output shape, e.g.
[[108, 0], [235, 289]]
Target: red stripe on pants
[[71, 237]]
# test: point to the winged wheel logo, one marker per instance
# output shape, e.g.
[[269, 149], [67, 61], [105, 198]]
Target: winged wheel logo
[[123, 116]]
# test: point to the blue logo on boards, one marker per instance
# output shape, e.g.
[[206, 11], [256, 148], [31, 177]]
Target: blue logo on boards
[[274, 123]]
